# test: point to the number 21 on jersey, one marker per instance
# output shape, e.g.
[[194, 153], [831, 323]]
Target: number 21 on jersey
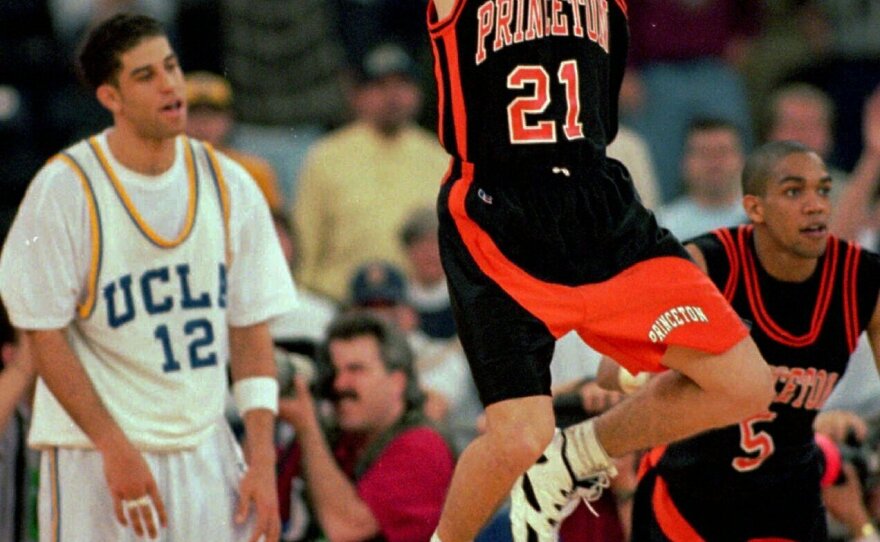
[[520, 129]]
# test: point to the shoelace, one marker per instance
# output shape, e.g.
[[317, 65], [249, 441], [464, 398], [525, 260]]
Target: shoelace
[[592, 492]]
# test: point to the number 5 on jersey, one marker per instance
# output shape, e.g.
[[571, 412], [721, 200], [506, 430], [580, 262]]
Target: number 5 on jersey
[[542, 131], [754, 442]]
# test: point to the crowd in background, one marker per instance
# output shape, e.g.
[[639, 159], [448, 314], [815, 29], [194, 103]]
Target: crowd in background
[[330, 105]]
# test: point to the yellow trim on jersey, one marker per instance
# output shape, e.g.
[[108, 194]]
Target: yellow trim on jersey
[[85, 308], [132, 210], [224, 198]]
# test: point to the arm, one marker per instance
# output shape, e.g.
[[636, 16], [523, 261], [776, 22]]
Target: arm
[[127, 473], [15, 380], [857, 202], [343, 515], [251, 356], [873, 333]]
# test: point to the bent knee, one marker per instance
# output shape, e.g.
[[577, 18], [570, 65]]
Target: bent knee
[[523, 434]]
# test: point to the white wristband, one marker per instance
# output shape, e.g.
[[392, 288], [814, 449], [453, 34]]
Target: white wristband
[[256, 392]]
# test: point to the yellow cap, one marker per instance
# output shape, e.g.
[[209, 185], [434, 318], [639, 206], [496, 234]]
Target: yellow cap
[[208, 89]]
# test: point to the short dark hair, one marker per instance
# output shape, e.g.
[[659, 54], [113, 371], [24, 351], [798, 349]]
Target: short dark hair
[[98, 61], [756, 171], [396, 353], [707, 123]]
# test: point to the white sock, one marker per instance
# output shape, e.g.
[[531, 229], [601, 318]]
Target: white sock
[[585, 453]]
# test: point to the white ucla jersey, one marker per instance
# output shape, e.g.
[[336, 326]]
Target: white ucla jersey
[[151, 322]]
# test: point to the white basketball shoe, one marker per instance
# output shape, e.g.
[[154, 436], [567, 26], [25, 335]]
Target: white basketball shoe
[[549, 492]]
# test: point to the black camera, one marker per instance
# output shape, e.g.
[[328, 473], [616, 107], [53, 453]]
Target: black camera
[[289, 365], [864, 456]]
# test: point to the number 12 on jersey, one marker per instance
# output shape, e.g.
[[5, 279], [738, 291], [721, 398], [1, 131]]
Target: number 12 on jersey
[[542, 131]]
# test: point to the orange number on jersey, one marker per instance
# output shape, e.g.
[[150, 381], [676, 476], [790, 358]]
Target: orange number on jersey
[[754, 442], [543, 131]]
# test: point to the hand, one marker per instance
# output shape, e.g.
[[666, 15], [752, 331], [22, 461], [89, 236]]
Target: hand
[[131, 484], [845, 502], [594, 399], [298, 409], [838, 424], [258, 487]]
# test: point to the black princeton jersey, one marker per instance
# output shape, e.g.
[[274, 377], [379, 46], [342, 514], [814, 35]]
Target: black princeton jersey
[[529, 81], [806, 331]]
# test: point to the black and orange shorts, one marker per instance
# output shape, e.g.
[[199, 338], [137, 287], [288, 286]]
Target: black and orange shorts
[[531, 255]]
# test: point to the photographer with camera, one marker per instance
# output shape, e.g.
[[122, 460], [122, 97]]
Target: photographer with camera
[[382, 469]]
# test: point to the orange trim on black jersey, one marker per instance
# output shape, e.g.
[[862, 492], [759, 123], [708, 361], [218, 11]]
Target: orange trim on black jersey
[[441, 94], [456, 94], [671, 522], [622, 5], [650, 460], [850, 295], [729, 244], [763, 318]]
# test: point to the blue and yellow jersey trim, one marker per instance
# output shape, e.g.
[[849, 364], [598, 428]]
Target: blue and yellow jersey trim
[[87, 305], [142, 225], [223, 193]]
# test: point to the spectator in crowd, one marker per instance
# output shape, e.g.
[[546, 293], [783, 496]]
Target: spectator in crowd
[[287, 66], [426, 290], [451, 398], [211, 119], [308, 320], [342, 209], [17, 376], [711, 165], [632, 149], [802, 112], [858, 214], [383, 470], [684, 57]]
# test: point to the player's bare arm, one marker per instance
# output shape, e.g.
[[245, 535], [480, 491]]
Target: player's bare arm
[[251, 356], [873, 332], [127, 473], [444, 7], [16, 379]]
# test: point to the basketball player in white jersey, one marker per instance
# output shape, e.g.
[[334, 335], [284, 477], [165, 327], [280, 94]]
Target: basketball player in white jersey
[[140, 264]]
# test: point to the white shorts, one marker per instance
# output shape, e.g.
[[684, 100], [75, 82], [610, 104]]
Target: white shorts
[[198, 486]]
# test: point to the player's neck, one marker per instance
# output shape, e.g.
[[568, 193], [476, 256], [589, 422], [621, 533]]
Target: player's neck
[[148, 156], [781, 264]]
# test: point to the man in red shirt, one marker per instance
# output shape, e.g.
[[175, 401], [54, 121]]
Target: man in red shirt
[[389, 469]]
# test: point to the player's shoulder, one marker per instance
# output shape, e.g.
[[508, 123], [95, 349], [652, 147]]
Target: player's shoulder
[[62, 176]]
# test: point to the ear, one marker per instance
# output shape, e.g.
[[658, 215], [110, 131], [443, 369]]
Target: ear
[[754, 208], [108, 96], [398, 381]]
